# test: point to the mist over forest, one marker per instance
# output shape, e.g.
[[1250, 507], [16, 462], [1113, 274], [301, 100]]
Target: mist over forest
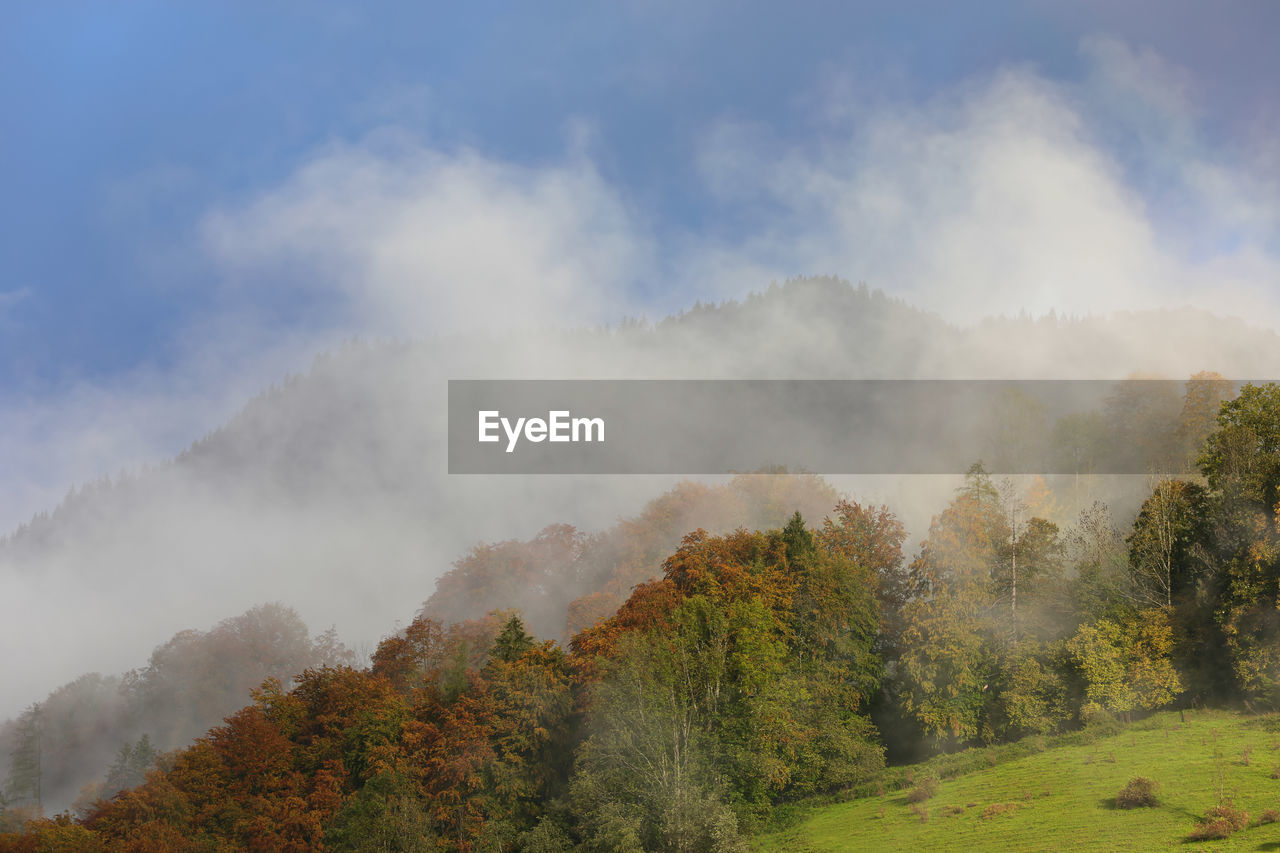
[[326, 493], [338, 473], [677, 696]]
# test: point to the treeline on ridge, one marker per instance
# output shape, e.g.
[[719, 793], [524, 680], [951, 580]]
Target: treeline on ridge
[[99, 734]]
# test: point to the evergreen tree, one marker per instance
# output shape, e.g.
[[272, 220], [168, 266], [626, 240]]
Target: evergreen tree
[[26, 760], [512, 642], [130, 766], [798, 539]]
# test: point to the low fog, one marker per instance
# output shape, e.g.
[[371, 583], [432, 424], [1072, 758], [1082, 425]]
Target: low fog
[[307, 466], [330, 493]]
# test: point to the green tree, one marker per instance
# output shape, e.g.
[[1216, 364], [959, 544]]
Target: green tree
[[25, 784], [948, 643], [384, 816], [1241, 461], [946, 663], [1241, 458], [1096, 552], [130, 766], [871, 539], [511, 644], [1031, 693], [799, 541], [1168, 542], [646, 777], [1127, 665], [1027, 574], [741, 677]]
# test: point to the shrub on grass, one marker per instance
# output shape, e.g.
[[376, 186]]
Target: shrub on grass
[[921, 811], [1139, 793], [996, 809], [1269, 816], [1213, 830], [1227, 810], [1220, 822], [924, 790]]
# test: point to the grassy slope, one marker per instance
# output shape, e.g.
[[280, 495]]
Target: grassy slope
[[1064, 796]]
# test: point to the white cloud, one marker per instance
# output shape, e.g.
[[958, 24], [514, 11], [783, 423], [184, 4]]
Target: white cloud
[[989, 200], [419, 241], [1002, 195]]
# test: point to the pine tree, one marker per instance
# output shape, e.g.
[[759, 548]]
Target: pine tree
[[512, 643], [798, 539], [131, 765], [24, 784]]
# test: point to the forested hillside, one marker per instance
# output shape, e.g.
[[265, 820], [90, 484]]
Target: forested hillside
[[760, 668], [100, 733], [90, 726], [345, 465]]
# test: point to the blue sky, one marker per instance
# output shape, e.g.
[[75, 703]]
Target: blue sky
[[186, 185], [126, 122]]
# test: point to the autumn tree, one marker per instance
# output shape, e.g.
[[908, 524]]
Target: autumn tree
[[871, 539], [1031, 696], [947, 643], [1126, 665], [1027, 569], [1204, 394], [532, 575], [740, 676]]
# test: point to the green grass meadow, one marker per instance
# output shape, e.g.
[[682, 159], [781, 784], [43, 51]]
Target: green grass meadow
[[1062, 798]]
